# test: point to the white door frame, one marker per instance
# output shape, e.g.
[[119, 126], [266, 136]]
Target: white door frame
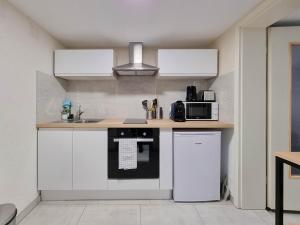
[[264, 15]]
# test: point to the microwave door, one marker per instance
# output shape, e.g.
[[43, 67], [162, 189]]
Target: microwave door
[[199, 111]]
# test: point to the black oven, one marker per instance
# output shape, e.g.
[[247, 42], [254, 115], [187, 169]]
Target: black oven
[[147, 153]]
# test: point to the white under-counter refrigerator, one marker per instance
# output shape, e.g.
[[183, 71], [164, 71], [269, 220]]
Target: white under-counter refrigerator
[[197, 165]]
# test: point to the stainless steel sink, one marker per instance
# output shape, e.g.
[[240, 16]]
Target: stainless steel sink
[[88, 121], [80, 121]]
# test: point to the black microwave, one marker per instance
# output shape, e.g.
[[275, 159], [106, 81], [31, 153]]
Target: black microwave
[[201, 110]]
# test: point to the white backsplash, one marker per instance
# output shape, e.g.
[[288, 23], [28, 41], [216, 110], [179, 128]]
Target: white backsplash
[[123, 97], [50, 93], [120, 98], [223, 86]]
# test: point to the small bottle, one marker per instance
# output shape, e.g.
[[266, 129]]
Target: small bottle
[[161, 113]]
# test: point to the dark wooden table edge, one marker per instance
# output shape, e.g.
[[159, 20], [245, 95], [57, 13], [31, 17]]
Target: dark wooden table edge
[[280, 187]]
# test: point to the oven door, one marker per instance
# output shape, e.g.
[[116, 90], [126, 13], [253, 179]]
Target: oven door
[[147, 160], [198, 111]]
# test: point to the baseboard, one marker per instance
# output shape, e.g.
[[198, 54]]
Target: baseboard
[[106, 195], [21, 215], [231, 198]]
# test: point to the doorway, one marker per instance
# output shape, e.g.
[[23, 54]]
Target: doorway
[[283, 109]]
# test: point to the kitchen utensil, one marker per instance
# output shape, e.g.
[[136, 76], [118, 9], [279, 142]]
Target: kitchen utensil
[[153, 113], [155, 102], [145, 106], [154, 109], [150, 104]]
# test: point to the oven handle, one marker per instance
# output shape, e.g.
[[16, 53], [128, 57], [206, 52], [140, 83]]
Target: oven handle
[[137, 139]]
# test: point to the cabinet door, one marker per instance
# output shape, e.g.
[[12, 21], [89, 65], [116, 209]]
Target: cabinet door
[[84, 62], [188, 62], [90, 159], [55, 159], [166, 159]]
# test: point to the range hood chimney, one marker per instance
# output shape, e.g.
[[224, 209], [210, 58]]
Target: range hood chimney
[[135, 67]]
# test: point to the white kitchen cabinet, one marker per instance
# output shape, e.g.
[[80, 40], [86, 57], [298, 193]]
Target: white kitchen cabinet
[[72, 159], [55, 159], [90, 159], [84, 64], [188, 63], [166, 159]]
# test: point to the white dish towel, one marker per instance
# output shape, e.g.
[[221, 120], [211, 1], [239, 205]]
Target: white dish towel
[[127, 153]]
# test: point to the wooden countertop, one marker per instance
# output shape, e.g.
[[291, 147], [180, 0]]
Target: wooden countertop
[[293, 157], [118, 123]]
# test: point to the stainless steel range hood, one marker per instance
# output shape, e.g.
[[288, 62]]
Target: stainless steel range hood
[[135, 67]]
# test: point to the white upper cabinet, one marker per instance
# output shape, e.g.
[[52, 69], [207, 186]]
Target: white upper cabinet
[[84, 64], [188, 63]]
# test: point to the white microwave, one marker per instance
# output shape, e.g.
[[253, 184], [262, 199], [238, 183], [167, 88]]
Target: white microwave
[[201, 110]]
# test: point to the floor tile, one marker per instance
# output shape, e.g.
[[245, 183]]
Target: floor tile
[[111, 215], [148, 212], [288, 218], [214, 214], [123, 202], [170, 215], [265, 216], [161, 202], [227, 215], [70, 202], [54, 215]]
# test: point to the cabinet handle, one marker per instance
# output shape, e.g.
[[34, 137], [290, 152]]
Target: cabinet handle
[[198, 143]]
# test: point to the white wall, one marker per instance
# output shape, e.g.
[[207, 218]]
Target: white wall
[[224, 86], [224, 83], [24, 49], [253, 118]]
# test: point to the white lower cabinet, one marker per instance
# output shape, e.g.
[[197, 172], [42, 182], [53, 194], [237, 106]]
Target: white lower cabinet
[[72, 159], [76, 159], [90, 159], [55, 159], [166, 159]]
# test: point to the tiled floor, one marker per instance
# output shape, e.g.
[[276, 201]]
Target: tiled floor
[[151, 212]]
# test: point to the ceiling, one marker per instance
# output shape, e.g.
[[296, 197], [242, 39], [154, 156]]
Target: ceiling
[[291, 20], [113, 23]]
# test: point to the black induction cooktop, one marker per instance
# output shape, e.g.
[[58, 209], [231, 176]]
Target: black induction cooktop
[[135, 121]]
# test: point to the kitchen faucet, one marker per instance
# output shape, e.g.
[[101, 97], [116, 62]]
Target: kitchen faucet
[[79, 112]]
